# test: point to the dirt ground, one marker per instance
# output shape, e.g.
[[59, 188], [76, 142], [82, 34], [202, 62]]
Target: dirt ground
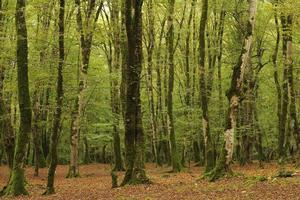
[[95, 183]]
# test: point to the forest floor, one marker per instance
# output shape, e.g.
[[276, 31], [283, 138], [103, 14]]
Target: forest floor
[[95, 183]]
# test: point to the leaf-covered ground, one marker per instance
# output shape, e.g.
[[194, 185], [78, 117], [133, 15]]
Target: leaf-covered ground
[[95, 183]]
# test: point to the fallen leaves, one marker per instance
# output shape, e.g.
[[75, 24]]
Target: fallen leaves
[[95, 183]]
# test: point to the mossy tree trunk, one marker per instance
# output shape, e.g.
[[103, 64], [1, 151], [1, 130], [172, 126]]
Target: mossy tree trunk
[[59, 101], [134, 136], [7, 131], [209, 147], [277, 83], [176, 167], [115, 83], [16, 185], [234, 96], [289, 61]]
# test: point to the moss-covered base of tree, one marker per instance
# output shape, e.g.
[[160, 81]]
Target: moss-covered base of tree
[[218, 172], [222, 169], [16, 185], [135, 177]]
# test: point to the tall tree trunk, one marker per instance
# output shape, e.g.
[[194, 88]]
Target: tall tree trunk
[[176, 167], [150, 51], [286, 42], [115, 92], [134, 135], [86, 39], [288, 60], [59, 101], [277, 83], [7, 132], [234, 96], [209, 147], [35, 132], [16, 185]]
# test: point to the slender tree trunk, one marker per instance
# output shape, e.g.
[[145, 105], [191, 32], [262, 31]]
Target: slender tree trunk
[[59, 102], [286, 41], [150, 51], [277, 83], [115, 92], [35, 132], [209, 147], [16, 185], [86, 38]]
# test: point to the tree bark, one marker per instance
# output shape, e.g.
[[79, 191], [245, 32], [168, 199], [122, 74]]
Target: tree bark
[[209, 147], [115, 92], [16, 185], [134, 135], [234, 96], [59, 101], [176, 167], [86, 39]]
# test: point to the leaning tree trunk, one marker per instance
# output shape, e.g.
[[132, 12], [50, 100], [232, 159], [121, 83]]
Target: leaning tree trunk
[[59, 102], [234, 97], [16, 185], [134, 136]]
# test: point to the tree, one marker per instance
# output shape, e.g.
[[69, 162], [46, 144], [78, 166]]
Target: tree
[[86, 30], [170, 48], [234, 96], [16, 185], [115, 92], [7, 132], [209, 147], [59, 100], [134, 135]]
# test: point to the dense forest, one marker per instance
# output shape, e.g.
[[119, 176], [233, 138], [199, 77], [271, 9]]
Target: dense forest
[[175, 84]]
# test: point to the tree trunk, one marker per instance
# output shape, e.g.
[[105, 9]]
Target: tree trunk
[[234, 97], [115, 86], [59, 102], [16, 185], [209, 147], [86, 38], [176, 167], [134, 136], [150, 50]]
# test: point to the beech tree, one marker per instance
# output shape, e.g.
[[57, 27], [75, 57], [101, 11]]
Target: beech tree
[[16, 184], [134, 135]]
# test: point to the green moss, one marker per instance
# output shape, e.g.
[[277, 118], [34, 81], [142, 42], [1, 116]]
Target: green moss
[[16, 184]]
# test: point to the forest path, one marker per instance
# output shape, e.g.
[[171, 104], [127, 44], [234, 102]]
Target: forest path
[[95, 183]]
